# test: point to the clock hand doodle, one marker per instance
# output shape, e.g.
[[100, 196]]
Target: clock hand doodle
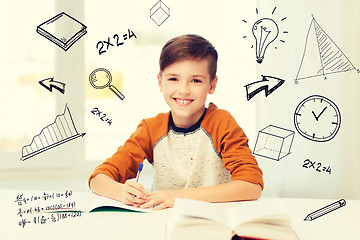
[[317, 117]]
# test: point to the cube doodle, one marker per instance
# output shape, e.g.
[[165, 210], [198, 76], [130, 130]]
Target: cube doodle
[[159, 13], [274, 142]]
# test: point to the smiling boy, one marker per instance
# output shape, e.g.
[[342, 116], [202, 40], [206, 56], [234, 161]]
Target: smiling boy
[[197, 152]]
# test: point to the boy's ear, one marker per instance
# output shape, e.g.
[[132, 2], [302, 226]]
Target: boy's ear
[[213, 85], [160, 82]]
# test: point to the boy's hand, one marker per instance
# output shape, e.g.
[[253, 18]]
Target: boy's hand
[[163, 199], [132, 193]]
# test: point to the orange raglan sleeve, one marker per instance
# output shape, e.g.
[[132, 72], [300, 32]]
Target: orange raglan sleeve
[[123, 164], [232, 143]]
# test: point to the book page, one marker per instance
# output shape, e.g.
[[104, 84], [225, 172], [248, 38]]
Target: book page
[[198, 228], [265, 230], [199, 209], [257, 211], [194, 219]]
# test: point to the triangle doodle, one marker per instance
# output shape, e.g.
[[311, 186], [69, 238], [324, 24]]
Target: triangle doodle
[[321, 55]]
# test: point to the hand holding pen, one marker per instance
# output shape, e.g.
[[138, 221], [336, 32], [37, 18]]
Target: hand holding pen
[[132, 192]]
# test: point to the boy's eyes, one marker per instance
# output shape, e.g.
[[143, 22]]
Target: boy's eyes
[[196, 80]]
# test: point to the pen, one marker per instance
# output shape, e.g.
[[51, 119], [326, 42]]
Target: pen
[[325, 210], [139, 171], [137, 175]]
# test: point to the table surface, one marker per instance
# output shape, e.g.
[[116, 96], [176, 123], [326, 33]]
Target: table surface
[[343, 223]]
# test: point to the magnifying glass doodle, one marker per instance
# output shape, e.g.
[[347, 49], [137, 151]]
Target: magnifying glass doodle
[[101, 78]]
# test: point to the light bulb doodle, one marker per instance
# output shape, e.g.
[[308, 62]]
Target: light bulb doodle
[[265, 31]]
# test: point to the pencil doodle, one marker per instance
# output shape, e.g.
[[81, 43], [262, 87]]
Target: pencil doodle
[[101, 78], [317, 118], [49, 84], [118, 42], [265, 31], [263, 84], [274, 142], [62, 29], [60, 131], [319, 168], [325, 210], [159, 13], [321, 55]]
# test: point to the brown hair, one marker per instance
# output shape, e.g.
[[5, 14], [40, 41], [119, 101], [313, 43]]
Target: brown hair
[[189, 47]]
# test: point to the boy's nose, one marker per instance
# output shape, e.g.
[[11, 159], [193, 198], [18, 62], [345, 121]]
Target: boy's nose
[[185, 89]]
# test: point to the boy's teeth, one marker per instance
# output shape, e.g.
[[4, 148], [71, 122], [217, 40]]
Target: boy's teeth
[[183, 101]]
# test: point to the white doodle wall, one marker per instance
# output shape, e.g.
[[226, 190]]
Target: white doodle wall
[[319, 63], [78, 76]]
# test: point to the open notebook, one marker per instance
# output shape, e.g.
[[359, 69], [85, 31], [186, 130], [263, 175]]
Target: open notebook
[[90, 202]]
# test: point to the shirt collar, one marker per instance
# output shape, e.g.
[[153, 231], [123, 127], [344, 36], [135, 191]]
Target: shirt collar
[[186, 130]]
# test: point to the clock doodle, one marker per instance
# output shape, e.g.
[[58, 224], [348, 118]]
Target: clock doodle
[[317, 118]]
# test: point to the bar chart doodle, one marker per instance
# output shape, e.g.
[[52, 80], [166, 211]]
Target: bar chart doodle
[[325, 210], [62, 29], [62, 130], [321, 55]]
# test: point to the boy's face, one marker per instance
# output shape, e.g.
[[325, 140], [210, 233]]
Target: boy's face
[[185, 86]]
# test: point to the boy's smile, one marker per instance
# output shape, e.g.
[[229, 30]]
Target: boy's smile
[[185, 85], [183, 102]]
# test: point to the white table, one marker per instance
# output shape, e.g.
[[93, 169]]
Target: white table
[[343, 223]]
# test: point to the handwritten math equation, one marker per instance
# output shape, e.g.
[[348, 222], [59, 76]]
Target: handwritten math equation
[[54, 217], [317, 166], [21, 199], [36, 209], [101, 115], [115, 41]]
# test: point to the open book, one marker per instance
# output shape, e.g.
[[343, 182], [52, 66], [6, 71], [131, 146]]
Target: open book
[[194, 219], [89, 202]]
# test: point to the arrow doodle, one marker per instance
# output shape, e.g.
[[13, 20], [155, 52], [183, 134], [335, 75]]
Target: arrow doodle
[[263, 85], [49, 84]]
